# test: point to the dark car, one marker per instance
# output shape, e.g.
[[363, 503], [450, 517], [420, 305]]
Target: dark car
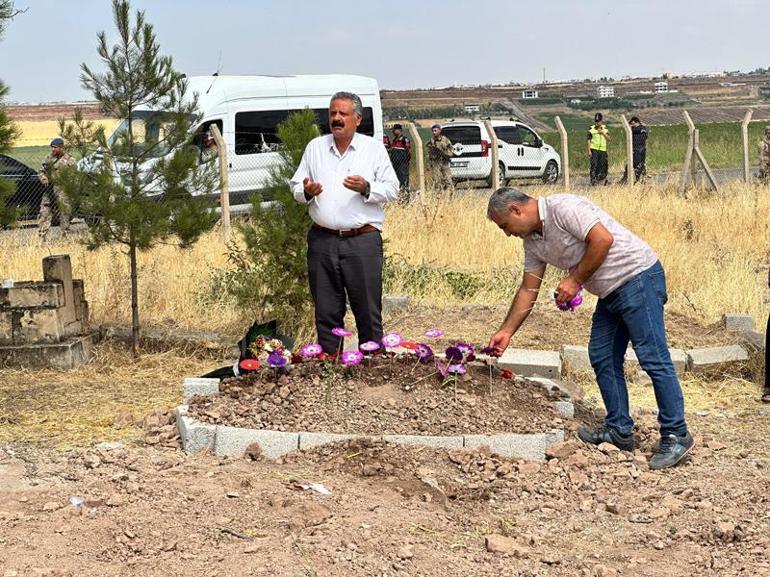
[[28, 188]]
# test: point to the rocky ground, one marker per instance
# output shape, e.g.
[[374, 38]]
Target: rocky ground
[[392, 511]]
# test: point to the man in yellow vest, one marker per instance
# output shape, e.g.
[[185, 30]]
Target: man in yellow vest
[[597, 150]]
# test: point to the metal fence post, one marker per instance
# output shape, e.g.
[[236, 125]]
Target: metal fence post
[[224, 188], [564, 151], [630, 172], [494, 155], [745, 138], [418, 151]]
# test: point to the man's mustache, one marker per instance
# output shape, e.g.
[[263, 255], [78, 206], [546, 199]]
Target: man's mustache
[[338, 124]]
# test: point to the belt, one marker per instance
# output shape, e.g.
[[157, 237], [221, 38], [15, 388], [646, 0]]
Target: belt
[[348, 232]]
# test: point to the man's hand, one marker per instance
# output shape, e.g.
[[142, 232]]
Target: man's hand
[[567, 289], [499, 342], [355, 182], [43, 179], [311, 187]]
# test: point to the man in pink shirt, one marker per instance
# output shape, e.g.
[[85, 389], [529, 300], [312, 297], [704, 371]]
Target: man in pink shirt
[[602, 256]]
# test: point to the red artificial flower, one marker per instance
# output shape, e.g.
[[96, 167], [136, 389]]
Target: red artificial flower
[[297, 359], [249, 364], [409, 345], [506, 374]]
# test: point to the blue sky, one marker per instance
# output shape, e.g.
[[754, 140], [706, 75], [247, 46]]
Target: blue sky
[[404, 44]]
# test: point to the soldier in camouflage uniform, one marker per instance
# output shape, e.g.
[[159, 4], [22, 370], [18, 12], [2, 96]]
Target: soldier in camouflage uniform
[[52, 164], [764, 157], [439, 153]]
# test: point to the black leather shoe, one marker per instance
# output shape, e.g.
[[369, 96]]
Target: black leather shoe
[[607, 435], [672, 450]]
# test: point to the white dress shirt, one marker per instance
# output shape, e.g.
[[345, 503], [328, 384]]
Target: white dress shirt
[[338, 207]]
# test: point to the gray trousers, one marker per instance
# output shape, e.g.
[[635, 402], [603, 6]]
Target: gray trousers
[[339, 267]]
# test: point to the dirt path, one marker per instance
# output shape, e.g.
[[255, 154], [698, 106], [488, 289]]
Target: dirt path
[[392, 512]]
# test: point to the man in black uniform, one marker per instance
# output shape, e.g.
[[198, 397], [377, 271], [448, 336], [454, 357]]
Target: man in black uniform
[[400, 151], [639, 150]]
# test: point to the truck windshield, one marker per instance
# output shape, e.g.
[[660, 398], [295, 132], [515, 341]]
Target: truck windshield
[[150, 133]]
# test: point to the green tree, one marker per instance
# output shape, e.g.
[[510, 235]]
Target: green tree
[[270, 277], [8, 130], [145, 184]]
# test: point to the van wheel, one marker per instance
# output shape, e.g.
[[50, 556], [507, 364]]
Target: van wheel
[[551, 172], [500, 175]]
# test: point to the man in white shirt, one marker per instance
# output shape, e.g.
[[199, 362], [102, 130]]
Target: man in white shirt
[[345, 178]]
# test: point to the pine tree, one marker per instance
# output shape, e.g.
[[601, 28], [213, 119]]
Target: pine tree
[[140, 183], [8, 130]]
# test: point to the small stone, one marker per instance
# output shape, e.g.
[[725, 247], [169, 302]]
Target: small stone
[[608, 448], [405, 552], [116, 500], [715, 445], [51, 506], [561, 450], [639, 518], [659, 545], [232, 495], [528, 468], [496, 543], [660, 513]]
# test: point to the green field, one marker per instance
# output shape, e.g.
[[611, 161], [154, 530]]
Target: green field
[[666, 145], [720, 143]]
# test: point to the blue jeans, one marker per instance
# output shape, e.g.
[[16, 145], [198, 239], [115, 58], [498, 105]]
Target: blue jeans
[[634, 311]]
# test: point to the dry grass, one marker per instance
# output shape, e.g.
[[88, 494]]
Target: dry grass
[[79, 407], [710, 246]]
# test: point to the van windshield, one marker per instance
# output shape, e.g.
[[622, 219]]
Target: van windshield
[[150, 133]]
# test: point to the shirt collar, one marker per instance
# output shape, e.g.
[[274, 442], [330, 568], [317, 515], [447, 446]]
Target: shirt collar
[[542, 210], [353, 144]]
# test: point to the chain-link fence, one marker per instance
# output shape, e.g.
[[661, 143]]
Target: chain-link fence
[[23, 169]]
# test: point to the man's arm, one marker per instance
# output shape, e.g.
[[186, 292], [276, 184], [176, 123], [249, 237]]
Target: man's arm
[[297, 182], [520, 308], [598, 241]]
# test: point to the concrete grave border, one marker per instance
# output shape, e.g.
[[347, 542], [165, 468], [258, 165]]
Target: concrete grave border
[[223, 440]]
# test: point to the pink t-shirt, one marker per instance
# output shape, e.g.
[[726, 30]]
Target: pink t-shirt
[[567, 219]]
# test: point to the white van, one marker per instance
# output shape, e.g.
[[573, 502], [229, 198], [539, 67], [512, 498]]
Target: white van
[[521, 152], [247, 110]]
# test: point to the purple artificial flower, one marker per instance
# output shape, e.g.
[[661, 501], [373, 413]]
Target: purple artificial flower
[[311, 350], [572, 304], [465, 349], [454, 355], [369, 346], [351, 358], [487, 351], [392, 340], [276, 359], [423, 352], [457, 369], [434, 333], [341, 332]]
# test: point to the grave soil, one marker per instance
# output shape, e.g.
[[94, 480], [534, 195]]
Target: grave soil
[[381, 396]]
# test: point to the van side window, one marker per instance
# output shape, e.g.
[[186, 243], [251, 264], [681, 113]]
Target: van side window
[[257, 132], [198, 138], [509, 134]]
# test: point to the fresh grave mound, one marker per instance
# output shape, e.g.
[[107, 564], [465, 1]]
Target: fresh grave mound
[[380, 396]]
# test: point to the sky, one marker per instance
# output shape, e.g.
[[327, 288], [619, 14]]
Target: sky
[[401, 43]]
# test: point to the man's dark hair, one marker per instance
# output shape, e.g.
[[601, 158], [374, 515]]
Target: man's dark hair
[[635, 119]]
